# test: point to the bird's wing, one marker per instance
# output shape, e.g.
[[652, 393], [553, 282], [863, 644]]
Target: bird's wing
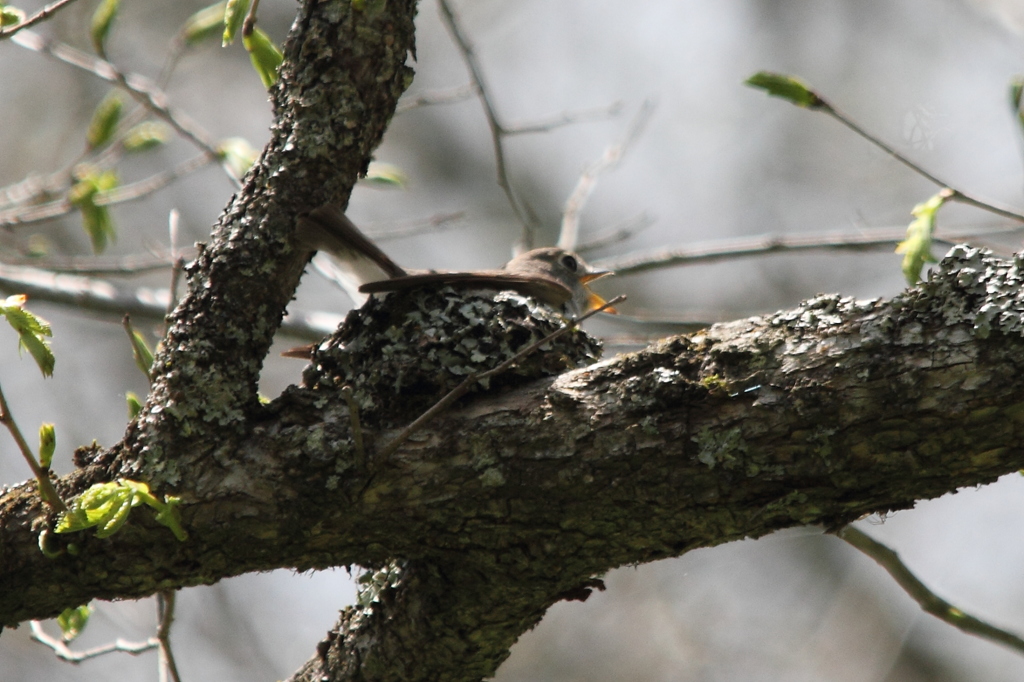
[[551, 292], [328, 229]]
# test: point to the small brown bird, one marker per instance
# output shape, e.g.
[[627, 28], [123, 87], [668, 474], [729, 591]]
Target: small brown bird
[[554, 276]]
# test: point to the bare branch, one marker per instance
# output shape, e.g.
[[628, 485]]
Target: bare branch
[[497, 130], [124, 266], [919, 592], [416, 227], [27, 215], [165, 611], [63, 652], [42, 15], [564, 119], [585, 185], [426, 99], [100, 296], [769, 244], [143, 188], [142, 89], [827, 108], [41, 473], [616, 235]]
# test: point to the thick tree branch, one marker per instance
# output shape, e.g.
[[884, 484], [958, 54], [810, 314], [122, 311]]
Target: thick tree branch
[[344, 70], [812, 416], [521, 497]]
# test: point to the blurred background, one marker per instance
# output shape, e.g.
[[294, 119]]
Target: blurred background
[[716, 161]]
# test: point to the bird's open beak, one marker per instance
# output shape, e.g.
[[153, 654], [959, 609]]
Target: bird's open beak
[[588, 277], [593, 300]]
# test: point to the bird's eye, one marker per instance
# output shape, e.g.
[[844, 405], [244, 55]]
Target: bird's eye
[[570, 263]]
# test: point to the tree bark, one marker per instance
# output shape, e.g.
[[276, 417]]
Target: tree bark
[[518, 499], [523, 495]]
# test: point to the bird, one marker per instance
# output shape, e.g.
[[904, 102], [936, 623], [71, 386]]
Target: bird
[[554, 276]]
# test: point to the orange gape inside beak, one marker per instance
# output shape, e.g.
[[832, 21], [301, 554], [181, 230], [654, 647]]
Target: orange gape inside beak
[[593, 300]]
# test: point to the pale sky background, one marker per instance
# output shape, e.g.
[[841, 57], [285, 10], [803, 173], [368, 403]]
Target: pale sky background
[[718, 160]]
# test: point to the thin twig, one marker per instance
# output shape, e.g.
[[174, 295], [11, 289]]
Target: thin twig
[[143, 188], [569, 234], [42, 15], [564, 119], [250, 19], [84, 293], [770, 244], [416, 227], [426, 99], [919, 592], [64, 653], [27, 215], [46, 489], [460, 390], [826, 107], [142, 89], [176, 272], [89, 266], [616, 235], [497, 130], [36, 188], [173, 220], [100, 296], [165, 612]]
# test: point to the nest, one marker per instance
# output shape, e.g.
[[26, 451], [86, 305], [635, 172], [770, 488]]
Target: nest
[[399, 354]]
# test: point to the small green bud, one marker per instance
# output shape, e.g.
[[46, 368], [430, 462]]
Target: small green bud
[[264, 55], [47, 445], [102, 20], [234, 15]]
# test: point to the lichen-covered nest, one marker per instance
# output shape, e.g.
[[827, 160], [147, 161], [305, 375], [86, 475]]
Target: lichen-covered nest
[[401, 353]]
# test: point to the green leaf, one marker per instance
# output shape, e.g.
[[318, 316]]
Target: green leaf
[[264, 55], [10, 16], [237, 154], [141, 492], [168, 515], [105, 506], [917, 247], [104, 120], [31, 330], [96, 219], [134, 404], [1016, 91], [38, 246], [40, 352], [102, 20], [789, 88], [141, 352], [145, 136], [47, 445], [204, 24], [234, 15], [73, 621], [385, 175], [98, 225]]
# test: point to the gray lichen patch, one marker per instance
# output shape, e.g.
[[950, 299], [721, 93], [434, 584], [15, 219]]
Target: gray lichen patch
[[972, 286], [401, 353]]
